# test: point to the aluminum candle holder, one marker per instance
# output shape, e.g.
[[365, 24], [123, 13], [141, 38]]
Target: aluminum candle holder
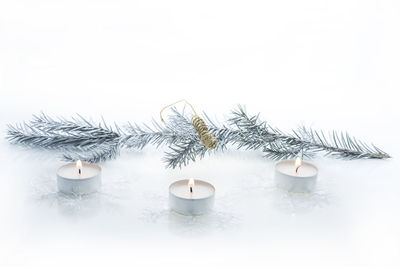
[[79, 178], [296, 175]]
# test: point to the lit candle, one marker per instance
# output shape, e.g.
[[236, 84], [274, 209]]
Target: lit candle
[[296, 175], [79, 178], [190, 197]]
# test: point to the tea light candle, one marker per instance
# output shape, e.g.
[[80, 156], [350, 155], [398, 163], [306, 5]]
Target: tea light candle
[[191, 197], [296, 175], [79, 178]]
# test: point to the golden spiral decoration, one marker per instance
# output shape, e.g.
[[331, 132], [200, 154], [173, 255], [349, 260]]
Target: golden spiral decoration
[[199, 124], [206, 138]]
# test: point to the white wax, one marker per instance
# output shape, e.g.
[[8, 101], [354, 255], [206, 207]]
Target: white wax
[[198, 202], [70, 171], [288, 167], [201, 189]]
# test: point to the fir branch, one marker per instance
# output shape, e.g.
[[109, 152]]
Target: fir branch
[[80, 138], [181, 154], [189, 149], [47, 133], [76, 138], [276, 144], [278, 151], [98, 154], [339, 145], [258, 135], [177, 130]]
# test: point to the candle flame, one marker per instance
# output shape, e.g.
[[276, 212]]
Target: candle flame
[[298, 163], [79, 165], [191, 184]]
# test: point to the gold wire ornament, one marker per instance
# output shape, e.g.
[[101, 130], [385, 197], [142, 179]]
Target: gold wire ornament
[[199, 124]]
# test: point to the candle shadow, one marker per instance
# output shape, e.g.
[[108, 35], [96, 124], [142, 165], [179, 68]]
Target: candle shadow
[[292, 202], [159, 213], [43, 191], [79, 205], [183, 225]]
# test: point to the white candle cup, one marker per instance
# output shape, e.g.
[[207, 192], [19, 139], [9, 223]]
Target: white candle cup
[[197, 202], [69, 181], [302, 181]]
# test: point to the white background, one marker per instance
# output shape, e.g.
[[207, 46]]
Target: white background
[[326, 64]]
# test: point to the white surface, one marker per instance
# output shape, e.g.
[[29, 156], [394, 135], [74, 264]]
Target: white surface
[[327, 64]]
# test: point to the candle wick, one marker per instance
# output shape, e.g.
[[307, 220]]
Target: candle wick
[[191, 189], [297, 168], [79, 171]]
